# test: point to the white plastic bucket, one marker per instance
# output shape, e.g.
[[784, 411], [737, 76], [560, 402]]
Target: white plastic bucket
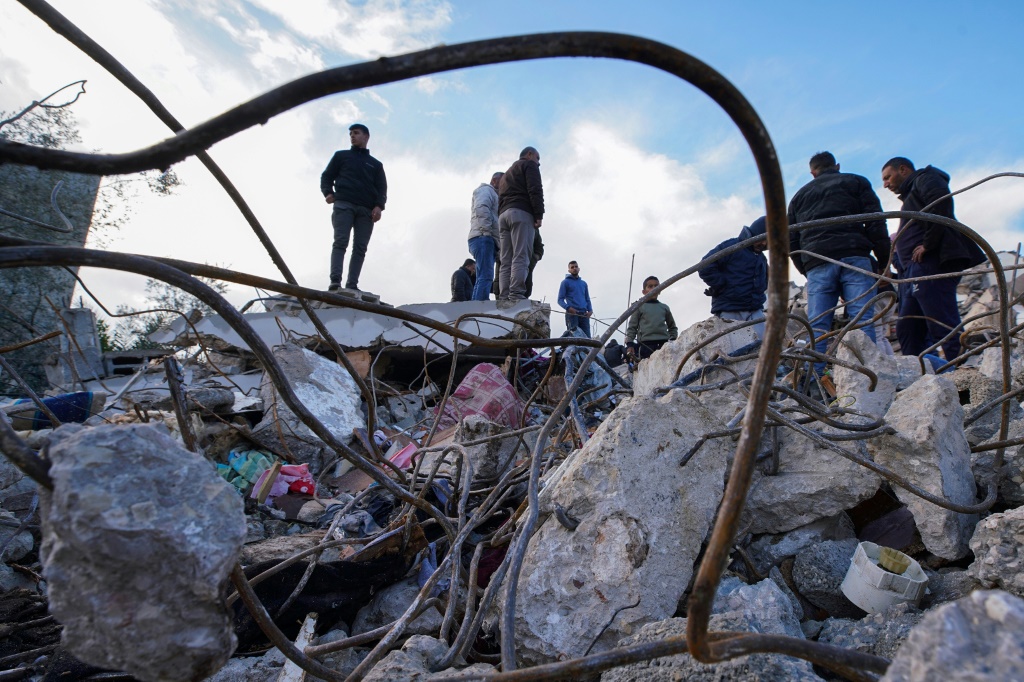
[[875, 589]]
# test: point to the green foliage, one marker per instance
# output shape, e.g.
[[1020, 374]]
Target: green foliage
[[165, 304], [55, 127]]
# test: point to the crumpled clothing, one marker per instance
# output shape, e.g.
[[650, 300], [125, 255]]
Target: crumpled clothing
[[292, 478], [486, 392], [428, 566]]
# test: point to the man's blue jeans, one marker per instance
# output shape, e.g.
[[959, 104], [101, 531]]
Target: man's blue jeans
[[483, 249], [573, 322], [825, 284]]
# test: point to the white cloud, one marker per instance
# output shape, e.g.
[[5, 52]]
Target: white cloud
[[365, 30]]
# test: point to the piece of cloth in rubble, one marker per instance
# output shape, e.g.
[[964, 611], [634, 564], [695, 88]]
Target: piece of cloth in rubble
[[292, 477], [68, 408], [486, 392], [428, 566], [358, 524], [250, 464]]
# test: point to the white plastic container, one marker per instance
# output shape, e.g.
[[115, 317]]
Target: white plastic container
[[875, 589]]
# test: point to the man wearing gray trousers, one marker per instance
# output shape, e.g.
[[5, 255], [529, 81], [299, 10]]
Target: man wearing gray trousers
[[520, 212]]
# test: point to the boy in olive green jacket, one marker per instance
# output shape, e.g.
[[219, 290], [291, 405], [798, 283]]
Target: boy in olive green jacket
[[651, 326]]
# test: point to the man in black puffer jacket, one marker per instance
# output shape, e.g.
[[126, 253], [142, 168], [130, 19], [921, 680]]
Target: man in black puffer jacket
[[832, 194], [928, 309], [737, 282]]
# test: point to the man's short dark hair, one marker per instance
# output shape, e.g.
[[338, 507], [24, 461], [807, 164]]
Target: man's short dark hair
[[649, 278], [359, 126], [527, 151], [497, 175], [572, 262], [822, 160], [469, 261], [897, 161]]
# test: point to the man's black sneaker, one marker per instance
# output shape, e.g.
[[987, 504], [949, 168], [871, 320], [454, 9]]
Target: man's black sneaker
[[333, 287]]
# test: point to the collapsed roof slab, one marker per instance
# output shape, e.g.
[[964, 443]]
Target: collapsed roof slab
[[356, 329]]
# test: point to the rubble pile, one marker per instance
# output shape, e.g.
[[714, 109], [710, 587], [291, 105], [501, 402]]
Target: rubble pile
[[454, 502]]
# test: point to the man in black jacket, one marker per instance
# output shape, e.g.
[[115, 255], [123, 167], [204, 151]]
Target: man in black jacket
[[520, 212], [832, 194], [928, 309], [354, 182], [463, 281]]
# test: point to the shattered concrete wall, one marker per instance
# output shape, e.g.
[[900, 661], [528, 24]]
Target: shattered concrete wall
[[24, 311]]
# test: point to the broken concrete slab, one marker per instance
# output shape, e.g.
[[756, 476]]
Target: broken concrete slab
[[197, 398], [813, 482], [771, 549], [362, 329], [1011, 474], [976, 639], [280, 547], [852, 387], [412, 662], [642, 519], [998, 546], [992, 364], [976, 390], [929, 449], [326, 389], [660, 369], [139, 530], [818, 573], [750, 608], [879, 634], [910, 370], [389, 604]]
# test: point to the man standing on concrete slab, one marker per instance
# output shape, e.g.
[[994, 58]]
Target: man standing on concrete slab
[[574, 297], [928, 309], [737, 282], [463, 281], [520, 212], [354, 182], [833, 194], [483, 235]]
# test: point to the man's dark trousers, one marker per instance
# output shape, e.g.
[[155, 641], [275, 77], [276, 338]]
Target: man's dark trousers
[[348, 218], [928, 311], [572, 322]]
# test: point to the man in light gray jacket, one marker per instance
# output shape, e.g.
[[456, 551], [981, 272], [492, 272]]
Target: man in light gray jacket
[[483, 235]]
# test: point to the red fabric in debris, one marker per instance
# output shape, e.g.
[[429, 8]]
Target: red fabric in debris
[[484, 391]]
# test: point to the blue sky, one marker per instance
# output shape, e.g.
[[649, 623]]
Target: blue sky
[[634, 160]]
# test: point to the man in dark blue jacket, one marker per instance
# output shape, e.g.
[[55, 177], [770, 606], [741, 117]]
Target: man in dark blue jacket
[[928, 309], [737, 282], [574, 297], [833, 194], [463, 281], [354, 182]]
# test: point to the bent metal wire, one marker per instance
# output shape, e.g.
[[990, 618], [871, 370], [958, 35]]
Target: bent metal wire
[[705, 646]]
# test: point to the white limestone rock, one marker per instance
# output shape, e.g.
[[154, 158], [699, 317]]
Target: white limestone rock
[[998, 546], [929, 449], [642, 520]]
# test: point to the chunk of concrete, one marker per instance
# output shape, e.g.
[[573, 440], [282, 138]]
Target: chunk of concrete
[[412, 662], [15, 545], [389, 604], [751, 608], [771, 549], [930, 450], [998, 546], [992, 364], [1011, 474], [813, 482], [879, 634], [326, 389], [975, 639], [818, 573], [642, 519], [660, 369], [948, 585], [976, 390], [139, 537], [491, 459], [853, 387]]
